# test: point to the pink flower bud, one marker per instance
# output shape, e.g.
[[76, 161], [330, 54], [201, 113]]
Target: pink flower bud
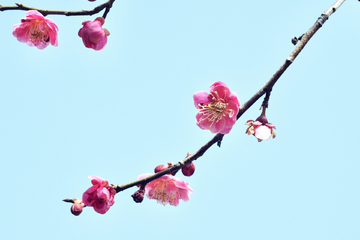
[[160, 168], [76, 209], [188, 169], [93, 35]]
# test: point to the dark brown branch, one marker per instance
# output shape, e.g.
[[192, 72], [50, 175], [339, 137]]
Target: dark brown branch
[[20, 6], [176, 167], [266, 88]]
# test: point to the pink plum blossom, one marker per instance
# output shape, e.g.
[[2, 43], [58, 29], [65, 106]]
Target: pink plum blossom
[[217, 110], [36, 30], [93, 35], [167, 189], [100, 196], [261, 128]]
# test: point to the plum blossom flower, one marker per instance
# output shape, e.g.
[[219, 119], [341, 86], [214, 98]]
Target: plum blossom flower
[[261, 128], [36, 30], [100, 196], [167, 189], [93, 35], [217, 110]]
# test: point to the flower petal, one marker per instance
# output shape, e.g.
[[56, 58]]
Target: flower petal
[[263, 133], [200, 97]]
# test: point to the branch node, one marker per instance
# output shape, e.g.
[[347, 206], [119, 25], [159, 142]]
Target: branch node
[[322, 19], [295, 40]]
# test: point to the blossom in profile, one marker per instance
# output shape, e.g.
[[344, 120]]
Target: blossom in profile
[[93, 35], [100, 196], [217, 110], [167, 189], [261, 128], [36, 30]]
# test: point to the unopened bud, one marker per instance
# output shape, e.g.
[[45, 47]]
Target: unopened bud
[[138, 196], [76, 209], [160, 168], [188, 169]]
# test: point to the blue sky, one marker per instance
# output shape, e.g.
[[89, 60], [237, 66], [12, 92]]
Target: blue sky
[[68, 112]]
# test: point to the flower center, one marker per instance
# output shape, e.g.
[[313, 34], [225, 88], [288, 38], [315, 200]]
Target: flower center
[[159, 193], [39, 32], [215, 110]]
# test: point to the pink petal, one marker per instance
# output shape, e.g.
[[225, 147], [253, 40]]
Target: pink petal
[[33, 14], [101, 44], [217, 127], [145, 175], [222, 91], [101, 208], [202, 123], [235, 108], [256, 123], [226, 130], [218, 83], [103, 193], [200, 97], [270, 125], [233, 97]]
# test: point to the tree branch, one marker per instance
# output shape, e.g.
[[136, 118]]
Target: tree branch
[[303, 41], [243, 108], [20, 6]]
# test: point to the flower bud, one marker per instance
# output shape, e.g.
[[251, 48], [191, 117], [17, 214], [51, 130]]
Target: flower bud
[[188, 169], [138, 196], [76, 209], [160, 168]]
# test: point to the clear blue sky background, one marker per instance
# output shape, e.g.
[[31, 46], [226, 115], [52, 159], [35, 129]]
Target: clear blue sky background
[[68, 112]]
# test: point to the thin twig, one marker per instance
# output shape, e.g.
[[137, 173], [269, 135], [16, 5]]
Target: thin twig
[[20, 6], [266, 88], [304, 40]]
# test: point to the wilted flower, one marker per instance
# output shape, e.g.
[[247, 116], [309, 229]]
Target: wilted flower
[[167, 189], [93, 35], [36, 30], [100, 196], [216, 111], [261, 128]]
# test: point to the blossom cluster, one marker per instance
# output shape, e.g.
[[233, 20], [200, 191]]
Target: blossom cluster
[[36, 30], [217, 112]]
